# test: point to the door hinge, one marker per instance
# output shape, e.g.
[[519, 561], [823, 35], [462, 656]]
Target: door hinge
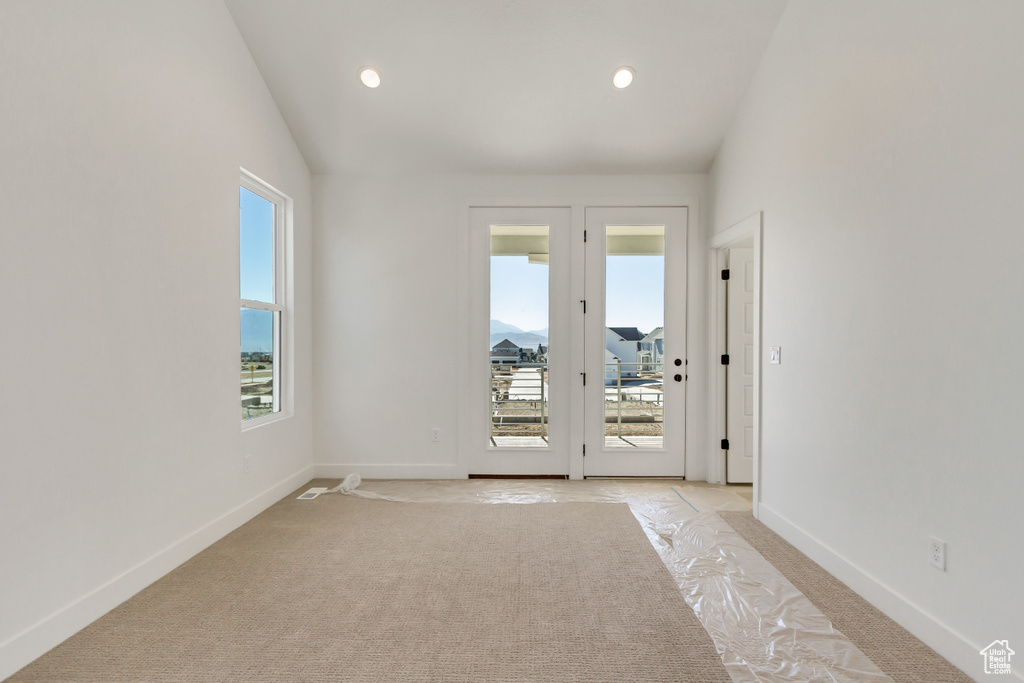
[[584, 450], [725, 359], [725, 444], [584, 235], [584, 378], [725, 274], [584, 302]]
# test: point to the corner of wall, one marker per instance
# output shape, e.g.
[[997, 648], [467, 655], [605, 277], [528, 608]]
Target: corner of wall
[[33, 642]]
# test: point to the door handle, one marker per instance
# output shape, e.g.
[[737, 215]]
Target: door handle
[[678, 362], [678, 378]]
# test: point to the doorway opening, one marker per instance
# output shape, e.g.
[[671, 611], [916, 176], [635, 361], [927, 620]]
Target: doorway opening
[[735, 313], [574, 315]]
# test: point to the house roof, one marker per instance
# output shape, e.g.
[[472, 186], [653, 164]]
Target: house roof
[[656, 333], [628, 333], [505, 344]]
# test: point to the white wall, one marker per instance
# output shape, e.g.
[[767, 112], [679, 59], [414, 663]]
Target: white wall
[[124, 127], [883, 141], [386, 273]]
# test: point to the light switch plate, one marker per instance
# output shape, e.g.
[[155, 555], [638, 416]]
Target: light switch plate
[[937, 553], [775, 355]]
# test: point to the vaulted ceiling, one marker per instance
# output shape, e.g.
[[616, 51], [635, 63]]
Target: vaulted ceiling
[[507, 86]]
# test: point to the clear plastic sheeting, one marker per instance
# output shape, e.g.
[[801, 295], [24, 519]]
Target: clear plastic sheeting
[[659, 494], [763, 627]]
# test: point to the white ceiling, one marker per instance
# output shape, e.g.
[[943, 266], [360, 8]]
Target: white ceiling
[[507, 86]]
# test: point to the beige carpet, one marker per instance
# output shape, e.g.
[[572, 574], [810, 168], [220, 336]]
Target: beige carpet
[[344, 589], [891, 647]]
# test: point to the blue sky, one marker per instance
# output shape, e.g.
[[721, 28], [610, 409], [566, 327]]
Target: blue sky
[[257, 330], [257, 246], [519, 292], [635, 292], [256, 268], [635, 286]]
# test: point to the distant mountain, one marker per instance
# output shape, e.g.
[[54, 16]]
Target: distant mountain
[[257, 330], [520, 339], [501, 331], [498, 327]]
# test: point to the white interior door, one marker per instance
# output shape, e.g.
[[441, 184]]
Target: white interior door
[[519, 393], [635, 341], [740, 370]]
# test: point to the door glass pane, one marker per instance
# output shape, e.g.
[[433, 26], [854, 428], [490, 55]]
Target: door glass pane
[[256, 247], [259, 367], [519, 336], [634, 336]]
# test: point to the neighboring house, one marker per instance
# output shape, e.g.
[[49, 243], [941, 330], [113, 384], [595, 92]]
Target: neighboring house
[[505, 353], [542, 353], [652, 350], [624, 344], [611, 368]]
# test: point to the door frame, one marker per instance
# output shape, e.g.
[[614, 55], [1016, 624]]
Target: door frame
[[695, 404], [752, 226]]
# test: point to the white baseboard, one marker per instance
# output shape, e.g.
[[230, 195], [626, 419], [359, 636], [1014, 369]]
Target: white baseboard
[[36, 640], [935, 634], [368, 471]]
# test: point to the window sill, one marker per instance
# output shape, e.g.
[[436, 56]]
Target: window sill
[[249, 425]]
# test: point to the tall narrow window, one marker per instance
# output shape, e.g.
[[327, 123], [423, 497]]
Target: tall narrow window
[[634, 336], [262, 218], [519, 336]]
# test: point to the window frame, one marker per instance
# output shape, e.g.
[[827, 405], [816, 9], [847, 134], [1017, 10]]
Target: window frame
[[281, 270]]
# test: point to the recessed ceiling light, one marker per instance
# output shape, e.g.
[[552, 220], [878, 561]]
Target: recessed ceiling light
[[369, 77], [622, 77]]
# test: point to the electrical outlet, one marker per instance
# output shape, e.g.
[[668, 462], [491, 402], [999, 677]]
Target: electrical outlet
[[247, 464], [435, 434], [937, 553]]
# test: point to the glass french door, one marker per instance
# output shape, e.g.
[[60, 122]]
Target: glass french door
[[635, 341], [577, 356], [520, 341]]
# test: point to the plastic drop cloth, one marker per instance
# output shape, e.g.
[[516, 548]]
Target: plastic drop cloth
[[762, 626]]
